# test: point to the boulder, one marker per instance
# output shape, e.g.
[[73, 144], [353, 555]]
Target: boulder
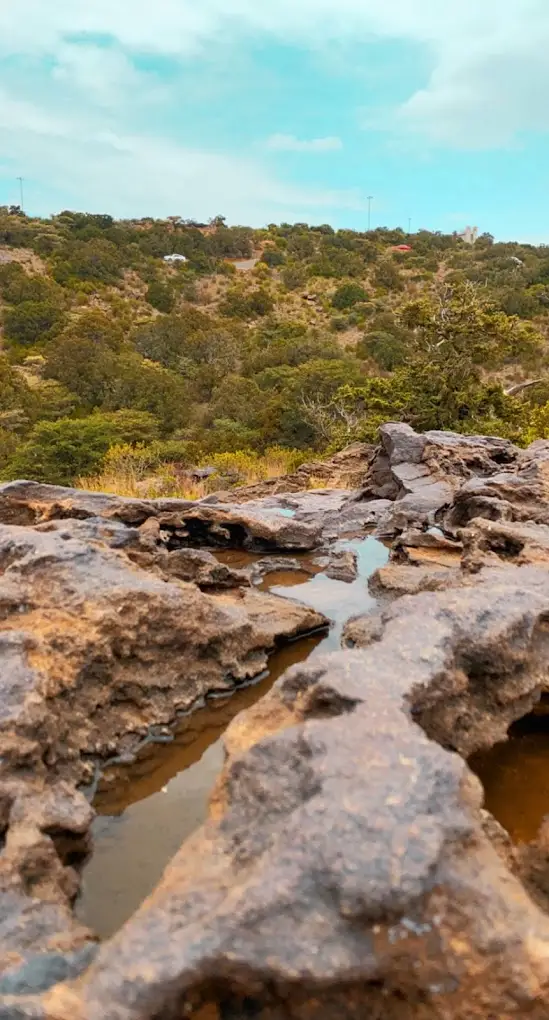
[[406, 579], [421, 473], [342, 566], [490, 543]]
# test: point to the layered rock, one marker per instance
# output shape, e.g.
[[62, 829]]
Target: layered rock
[[346, 871], [97, 655], [182, 522]]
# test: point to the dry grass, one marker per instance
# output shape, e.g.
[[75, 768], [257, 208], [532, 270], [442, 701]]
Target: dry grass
[[127, 472]]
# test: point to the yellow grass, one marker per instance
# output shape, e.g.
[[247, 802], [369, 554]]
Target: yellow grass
[[127, 473]]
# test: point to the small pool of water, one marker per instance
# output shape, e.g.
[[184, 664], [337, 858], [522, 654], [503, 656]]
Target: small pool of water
[[515, 776], [147, 811]]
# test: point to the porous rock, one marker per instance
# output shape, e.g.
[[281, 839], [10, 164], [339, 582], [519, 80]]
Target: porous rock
[[346, 871], [94, 651], [186, 523]]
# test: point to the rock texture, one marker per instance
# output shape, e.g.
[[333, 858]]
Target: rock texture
[[348, 870], [182, 522], [97, 654]]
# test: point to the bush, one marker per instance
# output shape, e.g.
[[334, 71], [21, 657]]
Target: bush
[[386, 349], [348, 295], [294, 277], [59, 452], [273, 258], [31, 321], [161, 296]]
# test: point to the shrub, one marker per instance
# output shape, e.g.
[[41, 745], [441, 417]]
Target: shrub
[[273, 258], [348, 295], [31, 321], [60, 451], [161, 296]]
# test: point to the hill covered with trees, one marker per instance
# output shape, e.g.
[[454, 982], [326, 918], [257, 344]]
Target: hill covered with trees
[[262, 349]]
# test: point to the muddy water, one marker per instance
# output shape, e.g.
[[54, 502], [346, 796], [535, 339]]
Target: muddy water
[[146, 812], [515, 776]]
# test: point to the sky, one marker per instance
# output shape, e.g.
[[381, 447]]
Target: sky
[[280, 110]]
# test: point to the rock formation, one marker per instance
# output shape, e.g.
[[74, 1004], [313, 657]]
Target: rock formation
[[348, 869]]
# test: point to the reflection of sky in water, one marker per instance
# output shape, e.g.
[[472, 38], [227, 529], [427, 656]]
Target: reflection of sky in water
[[168, 794], [336, 599]]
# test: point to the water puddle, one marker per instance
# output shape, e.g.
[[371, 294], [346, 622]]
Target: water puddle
[[515, 776], [146, 812]]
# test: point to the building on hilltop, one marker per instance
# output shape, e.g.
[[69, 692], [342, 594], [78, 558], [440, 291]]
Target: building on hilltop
[[469, 235]]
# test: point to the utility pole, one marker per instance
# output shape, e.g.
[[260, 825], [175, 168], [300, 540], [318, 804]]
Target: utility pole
[[370, 200], [409, 224], [21, 181]]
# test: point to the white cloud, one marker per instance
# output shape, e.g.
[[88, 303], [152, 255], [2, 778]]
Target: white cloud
[[488, 80], [101, 169], [289, 143]]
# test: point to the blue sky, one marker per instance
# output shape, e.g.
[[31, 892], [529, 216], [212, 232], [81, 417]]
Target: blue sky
[[270, 110]]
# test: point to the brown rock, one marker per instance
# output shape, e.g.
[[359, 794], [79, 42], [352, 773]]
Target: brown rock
[[491, 543], [342, 566], [94, 653], [347, 872], [187, 522], [404, 579]]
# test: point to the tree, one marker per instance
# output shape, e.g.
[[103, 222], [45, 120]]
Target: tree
[[386, 349]]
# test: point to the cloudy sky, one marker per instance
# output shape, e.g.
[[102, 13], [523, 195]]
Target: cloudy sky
[[269, 110]]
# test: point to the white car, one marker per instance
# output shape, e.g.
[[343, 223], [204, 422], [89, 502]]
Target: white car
[[175, 258]]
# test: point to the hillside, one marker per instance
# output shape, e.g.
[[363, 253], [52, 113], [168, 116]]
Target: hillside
[[260, 351]]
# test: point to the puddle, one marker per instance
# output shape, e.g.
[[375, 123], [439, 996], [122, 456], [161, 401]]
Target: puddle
[[145, 813], [336, 599], [515, 776]]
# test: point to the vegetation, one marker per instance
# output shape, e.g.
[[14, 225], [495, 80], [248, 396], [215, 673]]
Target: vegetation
[[128, 372]]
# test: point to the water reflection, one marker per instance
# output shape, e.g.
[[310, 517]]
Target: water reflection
[[145, 813]]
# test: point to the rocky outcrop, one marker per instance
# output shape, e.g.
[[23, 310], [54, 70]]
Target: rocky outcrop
[[97, 655], [345, 470], [346, 871], [181, 522], [421, 473]]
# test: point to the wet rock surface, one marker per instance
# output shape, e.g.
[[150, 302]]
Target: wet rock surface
[[347, 868]]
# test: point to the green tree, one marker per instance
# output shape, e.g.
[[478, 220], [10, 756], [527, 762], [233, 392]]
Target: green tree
[[60, 451]]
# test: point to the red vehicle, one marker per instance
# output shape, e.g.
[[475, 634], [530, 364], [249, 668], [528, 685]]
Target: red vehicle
[[402, 247]]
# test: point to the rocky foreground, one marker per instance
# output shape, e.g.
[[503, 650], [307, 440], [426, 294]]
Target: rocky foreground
[[348, 869]]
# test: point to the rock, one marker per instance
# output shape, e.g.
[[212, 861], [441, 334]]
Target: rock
[[353, 519], [507, 496], [420, 474], [434, 538], [281, 565], [202, 568], [491, 543], [31, 502], [345, 470], [346, 872], [403, 579], [342, 566], [197, 523], [82, 625], [93, 651], [361, 631]]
